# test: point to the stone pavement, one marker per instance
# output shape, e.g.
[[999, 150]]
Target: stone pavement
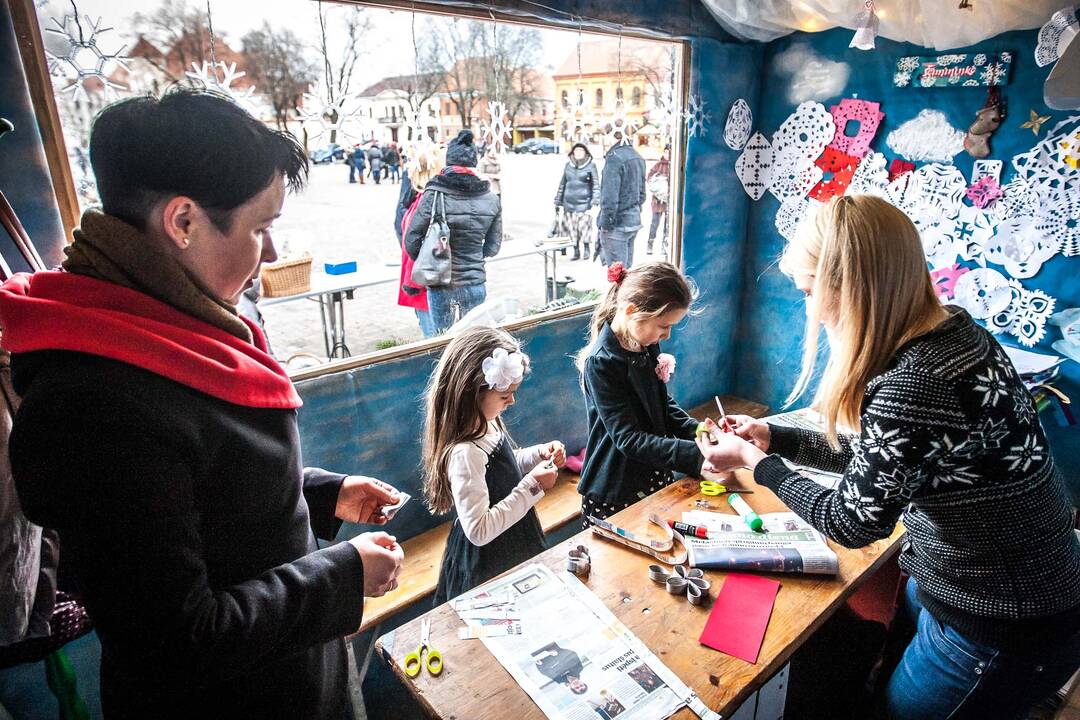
[[333, 219]]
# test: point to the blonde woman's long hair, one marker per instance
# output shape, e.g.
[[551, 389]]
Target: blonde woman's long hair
[[425, 166], [869, 272], [652, 288], [453, 413]]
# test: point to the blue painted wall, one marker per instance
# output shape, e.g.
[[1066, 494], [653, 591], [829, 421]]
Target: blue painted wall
[[771, 327]]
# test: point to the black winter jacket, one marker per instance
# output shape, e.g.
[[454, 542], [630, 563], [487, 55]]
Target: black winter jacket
[[634, 425], [579, 188], [190, 526], [474, 214], [622, 190]]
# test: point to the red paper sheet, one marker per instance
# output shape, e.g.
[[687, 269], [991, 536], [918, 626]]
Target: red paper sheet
[[737, 623]]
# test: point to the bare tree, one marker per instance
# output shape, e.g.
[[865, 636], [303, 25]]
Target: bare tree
[[510, 55], [455, 54], [181, 31], [337, 81], [277, 63]]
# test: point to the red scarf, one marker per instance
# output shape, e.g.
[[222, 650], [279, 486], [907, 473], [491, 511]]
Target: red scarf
[[54, 310]]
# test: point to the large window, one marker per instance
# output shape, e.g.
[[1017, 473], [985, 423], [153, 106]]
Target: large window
[[341, 77]]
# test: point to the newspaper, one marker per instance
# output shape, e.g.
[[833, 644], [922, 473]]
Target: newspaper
[[573, 657], [807, 419], [788, 544]]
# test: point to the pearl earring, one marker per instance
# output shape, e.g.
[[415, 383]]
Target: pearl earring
[[185, 242]]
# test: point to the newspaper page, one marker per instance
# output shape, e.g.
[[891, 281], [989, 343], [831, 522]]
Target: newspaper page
[[573, 657], [787, 544], [807, 419]]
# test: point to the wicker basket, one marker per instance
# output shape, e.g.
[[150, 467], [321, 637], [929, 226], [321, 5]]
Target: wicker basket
[[286, 277]]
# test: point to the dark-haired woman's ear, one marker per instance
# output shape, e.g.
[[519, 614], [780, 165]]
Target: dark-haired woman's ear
[[177, 218]]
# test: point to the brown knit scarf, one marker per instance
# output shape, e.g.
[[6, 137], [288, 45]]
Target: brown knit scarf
[[107, 248]]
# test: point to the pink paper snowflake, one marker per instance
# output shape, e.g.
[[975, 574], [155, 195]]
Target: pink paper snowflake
[[984, 192], [945, 279]]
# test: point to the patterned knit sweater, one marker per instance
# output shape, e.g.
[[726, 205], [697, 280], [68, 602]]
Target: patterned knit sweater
[[950, 443]]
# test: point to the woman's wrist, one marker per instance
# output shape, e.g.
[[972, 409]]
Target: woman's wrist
[[752, 455]]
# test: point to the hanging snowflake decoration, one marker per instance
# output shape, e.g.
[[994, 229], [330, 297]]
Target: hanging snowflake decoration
[[497, 128], [619, 129], [207, 75], [697, 117], [578, 122], [322, 117], [419, 145], [83, 60], [665, 114]]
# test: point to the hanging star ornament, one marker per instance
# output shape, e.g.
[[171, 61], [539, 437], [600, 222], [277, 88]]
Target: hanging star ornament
[[1035, 122], [83, 60]]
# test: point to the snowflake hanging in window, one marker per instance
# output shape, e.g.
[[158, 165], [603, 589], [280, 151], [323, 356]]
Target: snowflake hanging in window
[[497, 128], [84, 61], [619, 129], [697, 117], [577, 122], [320, 116], [207, 74], [419, 145], [665, 114]]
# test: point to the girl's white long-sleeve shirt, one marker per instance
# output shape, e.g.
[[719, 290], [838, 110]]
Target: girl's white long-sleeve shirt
[[481, 521]]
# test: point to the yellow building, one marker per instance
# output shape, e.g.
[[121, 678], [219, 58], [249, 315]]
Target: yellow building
[[607, 77]]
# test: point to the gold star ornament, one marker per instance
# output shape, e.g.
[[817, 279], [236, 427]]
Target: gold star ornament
[[1035, 122]]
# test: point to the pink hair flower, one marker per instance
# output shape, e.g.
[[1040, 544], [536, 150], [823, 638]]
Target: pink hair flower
[[665, 366]]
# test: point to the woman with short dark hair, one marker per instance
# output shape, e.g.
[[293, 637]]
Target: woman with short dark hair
[[159, 437]]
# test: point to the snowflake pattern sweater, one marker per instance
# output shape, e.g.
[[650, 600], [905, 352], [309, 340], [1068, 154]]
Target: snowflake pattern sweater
[[950, 443]]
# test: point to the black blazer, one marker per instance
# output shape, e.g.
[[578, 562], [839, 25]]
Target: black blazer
[[635, 428]]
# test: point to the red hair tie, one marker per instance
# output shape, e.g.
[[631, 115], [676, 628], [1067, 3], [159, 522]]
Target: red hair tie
[[616, 272]]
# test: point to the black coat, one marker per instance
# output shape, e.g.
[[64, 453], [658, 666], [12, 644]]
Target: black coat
[[185, 520], [622, 189], [579, 188], [634, 425], [474, 214]]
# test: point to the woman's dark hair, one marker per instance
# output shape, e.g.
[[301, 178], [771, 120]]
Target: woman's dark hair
[[189, 142]]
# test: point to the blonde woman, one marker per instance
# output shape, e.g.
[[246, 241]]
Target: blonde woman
[[946, 438], [420, 168]]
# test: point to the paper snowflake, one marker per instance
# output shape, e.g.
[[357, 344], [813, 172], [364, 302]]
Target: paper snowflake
[[907, 64], [950, 59], [84, 60], [207, 74], [497, 128], [697, 117], [984, 192], [619, 128], [578, 121], [320, 116], [419, 145], [901, 79], [993, 74], [666, 114], [979, 59]]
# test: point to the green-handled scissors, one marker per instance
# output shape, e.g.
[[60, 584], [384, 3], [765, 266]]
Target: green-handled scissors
[[415, 660], [712, 489]]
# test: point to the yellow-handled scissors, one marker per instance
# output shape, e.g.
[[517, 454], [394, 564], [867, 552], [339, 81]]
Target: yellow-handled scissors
[[712, 489], [415, 660]]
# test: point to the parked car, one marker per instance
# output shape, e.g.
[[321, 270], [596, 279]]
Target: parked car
[[543, 146], [525, 146], [328, 154]]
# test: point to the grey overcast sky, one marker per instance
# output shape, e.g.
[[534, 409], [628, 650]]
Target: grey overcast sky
[[388, 52]]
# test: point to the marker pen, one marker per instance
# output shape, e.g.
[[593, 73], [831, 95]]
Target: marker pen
[[692, 530], [751, 518]]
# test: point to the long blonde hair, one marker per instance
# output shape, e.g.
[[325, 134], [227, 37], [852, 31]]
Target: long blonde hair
[[652, 288], [869, 270], [423, 167], [453, 413]]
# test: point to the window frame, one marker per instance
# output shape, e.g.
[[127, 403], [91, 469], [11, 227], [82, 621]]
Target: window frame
[[39, 82]]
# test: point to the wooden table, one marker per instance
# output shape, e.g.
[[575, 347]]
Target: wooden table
[[475, 686]]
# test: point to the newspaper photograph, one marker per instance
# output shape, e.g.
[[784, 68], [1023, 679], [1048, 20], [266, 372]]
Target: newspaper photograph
[[787, 544], [572, 656]]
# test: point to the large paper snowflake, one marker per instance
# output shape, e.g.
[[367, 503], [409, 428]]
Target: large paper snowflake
[[619, 129], [697, 117], [220, 77], [496, 130], [84, 61], [578, 121], [993, 74], [320, 116]]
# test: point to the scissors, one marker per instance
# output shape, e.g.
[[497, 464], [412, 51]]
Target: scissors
[[712, 489], [415, 660]]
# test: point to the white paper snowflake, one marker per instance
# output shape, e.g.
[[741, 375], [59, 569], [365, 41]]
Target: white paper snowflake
[[497, 129], [950, 59], [907, 64], [619, 129], [697, 117], [578, 122], [666, 114], [220, 77], [926, 81], [84, 60], [992, 74], [320, 116], [419, 145], [901, 79], [979, 59]]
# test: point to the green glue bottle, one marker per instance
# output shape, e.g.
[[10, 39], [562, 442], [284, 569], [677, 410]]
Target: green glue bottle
[[750, 517]]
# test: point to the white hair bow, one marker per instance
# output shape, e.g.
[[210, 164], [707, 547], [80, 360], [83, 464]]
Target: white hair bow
[[503, 369]]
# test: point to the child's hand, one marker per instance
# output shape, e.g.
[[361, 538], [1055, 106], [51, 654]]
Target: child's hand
[[554, 451], [545, 474]]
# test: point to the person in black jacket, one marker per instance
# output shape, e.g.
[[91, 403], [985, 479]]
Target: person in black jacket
[[159, 438], [637, 433], [474, 215], [578, 194], [622, 193], [391, 161]]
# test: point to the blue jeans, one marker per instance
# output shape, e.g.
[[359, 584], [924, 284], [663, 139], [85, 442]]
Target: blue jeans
[[945, 675], [427, 325], [442, 303], [617, 246]]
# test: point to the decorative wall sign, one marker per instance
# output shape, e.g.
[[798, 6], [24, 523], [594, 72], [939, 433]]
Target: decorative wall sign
[[754, 166], [866, 114], [978, 69], [928, 137], [837, 170], [739, 123]]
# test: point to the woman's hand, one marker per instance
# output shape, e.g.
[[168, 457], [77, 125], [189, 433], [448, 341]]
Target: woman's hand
[[752, 430], [382, 558], [726, 450], [545, 474], [554, 451], [361, 500]]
